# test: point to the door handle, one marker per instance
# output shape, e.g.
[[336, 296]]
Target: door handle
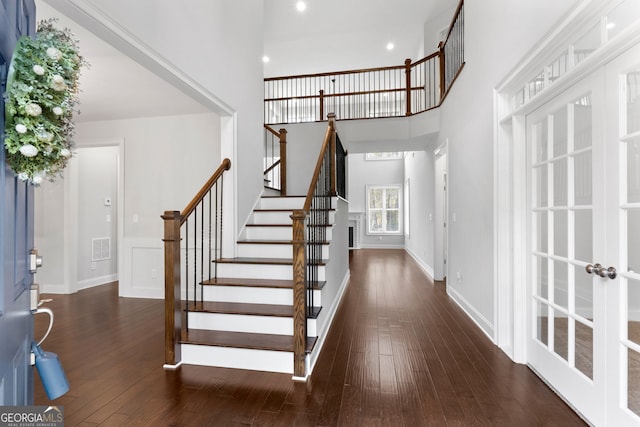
[[35, 261], [601, 271]]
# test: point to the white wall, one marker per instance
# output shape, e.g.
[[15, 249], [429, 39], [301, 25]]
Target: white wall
[[419, 170], [372, 172], [211, 46], [166, 160], [497, 34]]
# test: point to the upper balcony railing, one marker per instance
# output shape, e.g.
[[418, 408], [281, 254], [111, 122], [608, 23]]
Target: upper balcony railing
[[395, 91]]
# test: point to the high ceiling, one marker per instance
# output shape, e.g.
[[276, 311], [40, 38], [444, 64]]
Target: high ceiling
[[329, 35], [332, 35]]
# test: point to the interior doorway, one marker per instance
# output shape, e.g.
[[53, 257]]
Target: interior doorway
[[441, 214], [98, 215]]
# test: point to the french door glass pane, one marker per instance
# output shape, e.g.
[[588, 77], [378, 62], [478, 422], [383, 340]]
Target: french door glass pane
[[560, 233], [561, 335], [543, 277], [560, 182], [560, 284], [583, 293], [582, 178], [582, 123], [542, 323], [583, 237], [542, 234], [633, 171], [633, 311], [540, 143], [584, 349], [633, 240], [633, 102], [541, 178], [560, 132]]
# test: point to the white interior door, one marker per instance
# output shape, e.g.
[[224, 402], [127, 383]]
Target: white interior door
[[566, 224], [623, 238], [584, 240]]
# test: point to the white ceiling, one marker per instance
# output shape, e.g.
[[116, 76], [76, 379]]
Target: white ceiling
[[329, 35]]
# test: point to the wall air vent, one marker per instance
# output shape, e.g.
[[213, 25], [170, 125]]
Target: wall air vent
[[100, 248]]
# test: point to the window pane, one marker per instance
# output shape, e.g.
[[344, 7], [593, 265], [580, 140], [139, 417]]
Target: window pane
[[375, 197], [375, 221], [392, 198], [392, 221]]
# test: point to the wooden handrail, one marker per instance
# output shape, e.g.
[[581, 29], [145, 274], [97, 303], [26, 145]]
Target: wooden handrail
[[331, 95], [316, 173], [454, 19], [272, 167], [224, 166], [272, 130]]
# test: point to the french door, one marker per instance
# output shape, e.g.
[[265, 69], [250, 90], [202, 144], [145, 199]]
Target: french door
[[584, 240]]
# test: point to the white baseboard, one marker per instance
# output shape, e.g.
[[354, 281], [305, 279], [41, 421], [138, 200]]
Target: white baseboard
[[369, 246], [97, 281], [483, 323], [423, 265], [332, 313]]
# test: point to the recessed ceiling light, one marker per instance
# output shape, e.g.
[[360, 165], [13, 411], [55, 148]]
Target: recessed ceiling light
[[611, 25], [301, 6], [390, 46], [265, 59]]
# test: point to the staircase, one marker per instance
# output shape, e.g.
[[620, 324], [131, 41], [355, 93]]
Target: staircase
[[245, 317]]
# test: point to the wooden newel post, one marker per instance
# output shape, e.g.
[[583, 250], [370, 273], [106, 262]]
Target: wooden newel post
[[332, 152], [442, 69], [321, 104], [407, 72], [172, 301], [299, 294], [283, 162]]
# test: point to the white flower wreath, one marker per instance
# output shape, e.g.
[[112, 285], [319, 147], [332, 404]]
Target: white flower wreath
[[42, 92]]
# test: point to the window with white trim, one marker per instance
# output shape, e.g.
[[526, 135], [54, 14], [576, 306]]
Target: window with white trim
[[384, 209]]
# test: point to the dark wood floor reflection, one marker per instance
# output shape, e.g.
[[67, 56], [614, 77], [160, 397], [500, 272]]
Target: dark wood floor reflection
[[399, 353]]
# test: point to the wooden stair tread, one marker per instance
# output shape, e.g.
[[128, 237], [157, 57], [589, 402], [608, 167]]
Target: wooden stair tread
[[270, 310], [262, 261], [242, 340], [257, 283]]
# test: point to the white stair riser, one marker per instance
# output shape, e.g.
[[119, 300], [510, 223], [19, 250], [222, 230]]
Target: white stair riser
[[281, 202], [247, 323], [261, 271], [276, 233], [250, 295], [238, 358], [250, 250], [269, 217]]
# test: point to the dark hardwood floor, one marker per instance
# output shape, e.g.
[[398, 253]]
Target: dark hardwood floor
[[400, 353]]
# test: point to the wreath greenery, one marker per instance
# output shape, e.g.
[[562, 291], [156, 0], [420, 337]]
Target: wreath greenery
[[41, 95]]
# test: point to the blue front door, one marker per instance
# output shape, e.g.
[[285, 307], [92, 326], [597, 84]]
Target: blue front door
[[17, 17]]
